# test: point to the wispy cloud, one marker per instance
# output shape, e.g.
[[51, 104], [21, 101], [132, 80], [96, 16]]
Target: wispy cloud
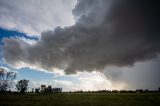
[[35, 16]]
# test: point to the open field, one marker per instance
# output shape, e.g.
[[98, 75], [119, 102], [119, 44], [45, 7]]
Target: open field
[[81, 99]]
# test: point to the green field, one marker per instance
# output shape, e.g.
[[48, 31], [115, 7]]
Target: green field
[[81, 99]]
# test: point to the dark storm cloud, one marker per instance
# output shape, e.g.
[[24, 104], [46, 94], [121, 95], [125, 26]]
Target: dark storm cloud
[[106, 32]]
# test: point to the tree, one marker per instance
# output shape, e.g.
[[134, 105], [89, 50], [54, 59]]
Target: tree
[[49, 89], [43, 88], [22, 85], [32, 90], [158, 89], [58, 90], [37, 90], [6, 79]]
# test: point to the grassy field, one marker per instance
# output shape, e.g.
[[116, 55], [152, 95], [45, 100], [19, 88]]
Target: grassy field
[[82, 99]]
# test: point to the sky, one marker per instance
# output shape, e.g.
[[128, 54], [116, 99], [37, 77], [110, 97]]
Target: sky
[[82, 44]]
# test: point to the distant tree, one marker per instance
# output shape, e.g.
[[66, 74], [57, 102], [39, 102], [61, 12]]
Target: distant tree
[[43, 88], [146, 90], [49, 89], [6, 79], [139, 90], [22, 85], [58, 90], [158, 89], [37, 90], [32, 90]]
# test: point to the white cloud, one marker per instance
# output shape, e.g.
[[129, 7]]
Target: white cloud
[[8, 69], [35, 16], [97, 81], [5, 68], [66, 85], [20, 64], [28, 41], [84, 81]]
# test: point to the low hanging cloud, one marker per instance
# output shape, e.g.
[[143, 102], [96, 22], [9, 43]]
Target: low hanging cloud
[[106, 33]]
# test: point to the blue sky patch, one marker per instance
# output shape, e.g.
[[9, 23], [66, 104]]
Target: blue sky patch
[[5, 33]]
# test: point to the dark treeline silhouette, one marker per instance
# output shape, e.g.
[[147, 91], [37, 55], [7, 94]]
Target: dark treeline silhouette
[[7, 82], [119, 91], [22, 86], [49, 89]]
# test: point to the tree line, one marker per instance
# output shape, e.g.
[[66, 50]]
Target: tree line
[[7, 82]]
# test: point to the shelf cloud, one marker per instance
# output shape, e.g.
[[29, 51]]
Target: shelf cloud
[[106, 33]]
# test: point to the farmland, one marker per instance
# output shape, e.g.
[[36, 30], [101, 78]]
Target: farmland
[[81, 99]]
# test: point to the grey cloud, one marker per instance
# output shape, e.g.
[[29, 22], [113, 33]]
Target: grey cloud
[[143, 75], [106, 33]]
